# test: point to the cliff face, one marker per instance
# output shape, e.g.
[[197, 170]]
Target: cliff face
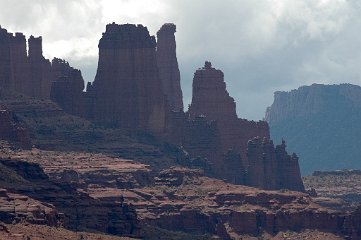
[[67, 87], [12, 131], [26, 73], [231, 154], [20, 72], [168, 66], [321, 123], [271, 167], [211, 99], [127, 86], [40, 71]]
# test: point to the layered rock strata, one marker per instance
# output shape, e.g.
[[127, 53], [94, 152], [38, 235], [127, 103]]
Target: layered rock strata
[[76, 210], [168, 66]]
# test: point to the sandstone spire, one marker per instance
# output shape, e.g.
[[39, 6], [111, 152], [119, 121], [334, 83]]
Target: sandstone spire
[[168, 66], [127, 85]]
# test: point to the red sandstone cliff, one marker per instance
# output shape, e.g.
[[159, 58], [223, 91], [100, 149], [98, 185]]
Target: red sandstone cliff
[[39, 82], [228, 149], [168, 66], [127, 86], [67, 87], [29, 74], [211, 99]]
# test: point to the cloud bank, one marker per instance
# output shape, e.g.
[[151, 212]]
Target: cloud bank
[[261, 46]]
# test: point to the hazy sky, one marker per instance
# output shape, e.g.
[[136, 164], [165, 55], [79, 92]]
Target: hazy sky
[[261, 45]]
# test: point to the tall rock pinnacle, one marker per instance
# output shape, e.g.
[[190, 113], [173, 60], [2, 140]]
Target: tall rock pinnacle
[[168, 66], [127, 85]]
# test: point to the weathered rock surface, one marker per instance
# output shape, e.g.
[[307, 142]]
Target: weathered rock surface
[[79, 211], [39, 83], [21, 72], [31, 74], [15, 208], [127, 87], [271, 167], [186, 201], [234, 147], [168, 66], [343, 187], [12, 131], [25, 231], [67, 87], [321, 123]]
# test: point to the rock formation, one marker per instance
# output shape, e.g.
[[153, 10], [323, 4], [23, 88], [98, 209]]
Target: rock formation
[[321, 123], [271, 167], [67, 87], [29, 74], [211, 99], [12, 131], [39, 83], [233, 147], [127, 86], [14, 68], [168, 66]]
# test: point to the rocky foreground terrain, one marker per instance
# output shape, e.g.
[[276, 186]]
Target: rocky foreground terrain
[[342, 187], [86, 192]]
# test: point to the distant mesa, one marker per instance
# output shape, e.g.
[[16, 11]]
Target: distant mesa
[[321, 123]]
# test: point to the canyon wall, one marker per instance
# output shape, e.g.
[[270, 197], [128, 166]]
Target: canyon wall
[[321, 123]]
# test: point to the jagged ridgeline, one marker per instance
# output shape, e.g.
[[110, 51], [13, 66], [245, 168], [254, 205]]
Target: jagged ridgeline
[[137, 88]]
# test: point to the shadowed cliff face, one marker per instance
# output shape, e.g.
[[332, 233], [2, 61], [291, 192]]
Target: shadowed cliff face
[[321, 123], [168, 66], [127, 87], [241, 151]]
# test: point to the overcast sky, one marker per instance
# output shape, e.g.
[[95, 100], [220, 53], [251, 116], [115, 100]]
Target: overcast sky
[[261, 45]]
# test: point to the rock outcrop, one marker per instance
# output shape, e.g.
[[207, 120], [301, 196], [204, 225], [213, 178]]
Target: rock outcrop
[[40, 81], [271, 167], [127, 87], [67, 87], [233, 146], [168, 66], [11, 130], [30, 73], [21, 72], [321, 123], [211, 99], [78, 211]]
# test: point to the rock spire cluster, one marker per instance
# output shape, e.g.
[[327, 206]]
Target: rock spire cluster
[[137, 88]]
